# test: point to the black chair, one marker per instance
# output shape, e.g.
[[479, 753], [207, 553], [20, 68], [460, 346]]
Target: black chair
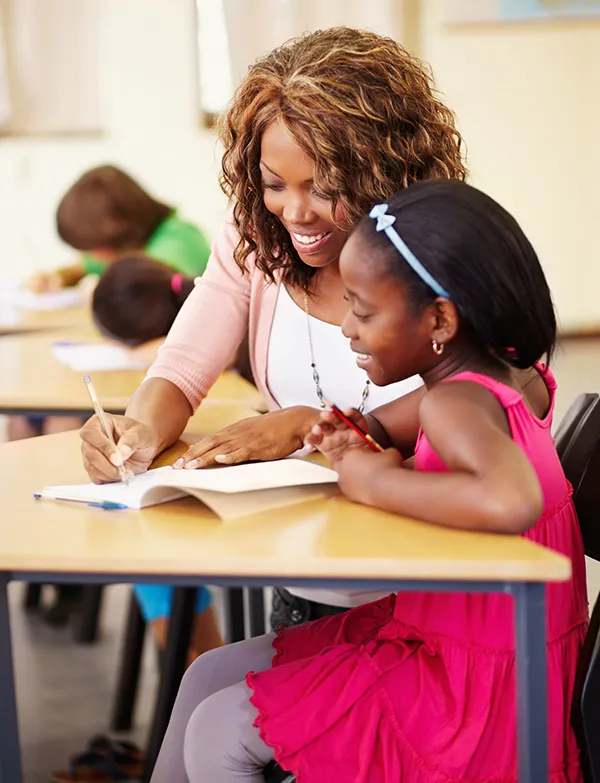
[[274, 774], [578, 445]]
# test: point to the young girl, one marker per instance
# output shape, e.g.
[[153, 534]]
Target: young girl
[[138, 298], [418, 687]]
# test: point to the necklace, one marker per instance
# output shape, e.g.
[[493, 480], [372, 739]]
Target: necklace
[[315, 372]]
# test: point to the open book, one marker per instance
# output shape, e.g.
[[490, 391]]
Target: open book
[[230, 491]]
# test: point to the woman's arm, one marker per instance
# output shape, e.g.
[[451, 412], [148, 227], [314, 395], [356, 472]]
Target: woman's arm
[[209, 327], [163, 408], [490, 483], [206, 333]]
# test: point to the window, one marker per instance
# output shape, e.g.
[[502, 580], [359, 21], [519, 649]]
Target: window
[[51, 66]]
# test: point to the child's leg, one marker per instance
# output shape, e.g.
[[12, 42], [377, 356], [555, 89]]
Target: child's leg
[[156, 602], [20, 427], [209, 673], [221, 744]]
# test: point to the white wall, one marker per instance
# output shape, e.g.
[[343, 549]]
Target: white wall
[[149, 109], [527, 97]]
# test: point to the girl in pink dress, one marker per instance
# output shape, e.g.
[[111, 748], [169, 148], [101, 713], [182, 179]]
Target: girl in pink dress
[[417, 687]]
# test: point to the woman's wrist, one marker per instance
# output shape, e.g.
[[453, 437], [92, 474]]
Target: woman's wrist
[[307, 417]]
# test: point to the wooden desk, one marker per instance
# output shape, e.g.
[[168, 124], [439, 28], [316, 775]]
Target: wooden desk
[[33, 381], [319, 543]]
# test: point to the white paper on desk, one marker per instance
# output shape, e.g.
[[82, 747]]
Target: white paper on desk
[[230, 491], [97, 357], [51, 300]]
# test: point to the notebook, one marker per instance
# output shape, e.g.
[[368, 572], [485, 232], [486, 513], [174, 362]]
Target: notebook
[[230, 491]]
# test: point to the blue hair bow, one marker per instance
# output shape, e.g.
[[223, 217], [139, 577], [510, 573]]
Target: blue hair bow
[[385, 223]]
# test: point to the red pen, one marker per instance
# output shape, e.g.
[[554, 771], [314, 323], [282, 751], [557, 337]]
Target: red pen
[[368, 439]]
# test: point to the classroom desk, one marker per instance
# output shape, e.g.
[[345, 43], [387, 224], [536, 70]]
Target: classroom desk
[[33, 381], [325, 543]]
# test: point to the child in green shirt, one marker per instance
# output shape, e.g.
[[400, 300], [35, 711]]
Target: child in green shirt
[[105, 214]]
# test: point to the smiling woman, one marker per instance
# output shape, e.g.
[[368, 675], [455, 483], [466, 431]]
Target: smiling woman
[[319, 131]]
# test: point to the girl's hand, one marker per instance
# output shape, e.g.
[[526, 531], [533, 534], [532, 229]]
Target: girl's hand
[[360, 469], [136, 448], [270, 436], [333, 438]]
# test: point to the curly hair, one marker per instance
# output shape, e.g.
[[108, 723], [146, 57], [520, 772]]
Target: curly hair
[[361, 107]]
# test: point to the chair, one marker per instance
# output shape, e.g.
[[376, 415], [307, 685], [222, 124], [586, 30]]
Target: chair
[[274, 774], [578, 445]]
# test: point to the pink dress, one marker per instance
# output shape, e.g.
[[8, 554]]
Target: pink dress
[[420, 687]]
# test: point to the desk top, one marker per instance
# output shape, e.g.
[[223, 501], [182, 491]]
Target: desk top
[[32, 379], [317, 538]]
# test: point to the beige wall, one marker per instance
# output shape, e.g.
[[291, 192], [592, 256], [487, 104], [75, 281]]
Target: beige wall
[[528, 103], [527, 98]]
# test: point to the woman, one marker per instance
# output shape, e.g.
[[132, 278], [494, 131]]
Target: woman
[[319, 131]]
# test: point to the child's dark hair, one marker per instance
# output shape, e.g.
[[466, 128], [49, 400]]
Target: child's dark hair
[[480, 255], [137, 300], [107, 209]]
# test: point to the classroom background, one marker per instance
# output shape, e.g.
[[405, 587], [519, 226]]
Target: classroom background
[[137, 83]]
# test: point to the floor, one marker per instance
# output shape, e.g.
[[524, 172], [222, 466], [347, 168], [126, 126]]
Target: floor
[[65, 690]]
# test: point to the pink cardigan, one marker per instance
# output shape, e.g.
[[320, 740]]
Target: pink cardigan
[[212, 323]]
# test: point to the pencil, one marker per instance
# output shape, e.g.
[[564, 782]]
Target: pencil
[[368, 439], [103, 421]]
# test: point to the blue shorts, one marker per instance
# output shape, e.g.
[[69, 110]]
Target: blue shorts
[[155, 600]]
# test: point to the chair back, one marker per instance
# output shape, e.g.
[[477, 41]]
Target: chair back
[[578, 446]]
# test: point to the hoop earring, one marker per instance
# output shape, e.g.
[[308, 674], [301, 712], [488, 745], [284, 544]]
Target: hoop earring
[[438, 348]]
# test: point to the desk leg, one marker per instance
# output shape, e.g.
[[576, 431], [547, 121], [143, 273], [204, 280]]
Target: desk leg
[[181, 622], [10, 751], [532, 681]]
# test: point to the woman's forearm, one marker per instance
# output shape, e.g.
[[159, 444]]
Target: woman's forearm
[[162, 407]]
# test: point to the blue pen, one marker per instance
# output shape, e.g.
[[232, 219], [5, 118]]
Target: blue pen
[[108, 505]]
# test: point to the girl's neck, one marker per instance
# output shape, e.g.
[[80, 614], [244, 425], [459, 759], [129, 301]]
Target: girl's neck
[[466, 358]]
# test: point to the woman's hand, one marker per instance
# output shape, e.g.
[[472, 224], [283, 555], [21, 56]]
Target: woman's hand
[[136, 447], [271, 436], [360, 468], [333, 438]]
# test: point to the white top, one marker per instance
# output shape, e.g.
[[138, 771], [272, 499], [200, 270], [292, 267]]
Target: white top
[[290, 381]]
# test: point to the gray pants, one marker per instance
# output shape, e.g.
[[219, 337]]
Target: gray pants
[[210, 737]]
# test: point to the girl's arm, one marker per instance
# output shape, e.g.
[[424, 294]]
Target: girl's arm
[[397, 423], [491, 485]]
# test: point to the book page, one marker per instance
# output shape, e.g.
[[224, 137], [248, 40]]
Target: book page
[[134, 494], [253, 476]]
